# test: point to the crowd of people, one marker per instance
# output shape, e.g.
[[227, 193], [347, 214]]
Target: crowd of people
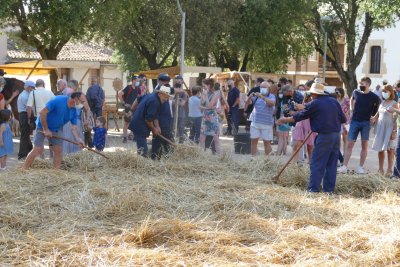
[[306, 116]]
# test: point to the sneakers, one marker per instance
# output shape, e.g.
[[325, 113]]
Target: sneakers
[[124, 140], [360, 170], [342, 169]]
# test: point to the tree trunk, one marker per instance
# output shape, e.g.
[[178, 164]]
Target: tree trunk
[[246, 60]]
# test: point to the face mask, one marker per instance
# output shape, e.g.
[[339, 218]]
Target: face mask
[[302, 92], [385, 95], [79, 106], [1, 89], [263, 91], [280, 95], [137, 84], [362, 88]]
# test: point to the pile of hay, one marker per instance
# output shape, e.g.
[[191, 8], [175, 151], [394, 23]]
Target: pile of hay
[[192, 209]]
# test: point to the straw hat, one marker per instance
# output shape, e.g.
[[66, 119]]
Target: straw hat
[[317, 88]]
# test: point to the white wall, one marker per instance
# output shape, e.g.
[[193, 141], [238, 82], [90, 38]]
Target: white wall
[[390, 63]]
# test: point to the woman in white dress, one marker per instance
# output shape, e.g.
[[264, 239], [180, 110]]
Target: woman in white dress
[[386, 127]]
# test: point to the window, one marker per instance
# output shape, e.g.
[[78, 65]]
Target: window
[[375, 64]]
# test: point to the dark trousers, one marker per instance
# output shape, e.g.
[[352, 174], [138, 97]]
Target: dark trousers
[[159, 146], [323, 163], [181, 129], [396, 171], [233, 118], [195, 126], [141, 144], [88, 139], [25, 144], [97, 112]]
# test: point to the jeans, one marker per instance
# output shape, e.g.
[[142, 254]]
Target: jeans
[[396, 171], [195, 126], [141, 144], [233, 118], [323, 163], [25, 144]]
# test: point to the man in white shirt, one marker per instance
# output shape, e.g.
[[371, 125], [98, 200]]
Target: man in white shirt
[[38, 99]]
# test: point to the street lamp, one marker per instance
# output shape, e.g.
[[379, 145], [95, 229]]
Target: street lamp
[[182, 64], [325, 19], [182, 36]]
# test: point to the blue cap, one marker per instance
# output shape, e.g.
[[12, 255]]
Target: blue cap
[[178, 77], [164, 77], [30, 84]]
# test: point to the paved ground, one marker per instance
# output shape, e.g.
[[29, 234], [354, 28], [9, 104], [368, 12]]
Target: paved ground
[[114, 141]]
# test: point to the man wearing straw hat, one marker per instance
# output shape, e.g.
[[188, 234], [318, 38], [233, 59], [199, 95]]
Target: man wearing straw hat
[[58, 112], [326, 117], [146, 116]]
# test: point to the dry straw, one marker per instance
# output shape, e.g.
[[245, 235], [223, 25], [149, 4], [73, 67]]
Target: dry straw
[[192, 209]]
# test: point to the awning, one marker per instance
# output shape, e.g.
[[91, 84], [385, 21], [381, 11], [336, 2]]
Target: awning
[[25, 68], [172, 71]]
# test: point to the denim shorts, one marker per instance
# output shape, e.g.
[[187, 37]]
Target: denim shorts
[[357, 127]]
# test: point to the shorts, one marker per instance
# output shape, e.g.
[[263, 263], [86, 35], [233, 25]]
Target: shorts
[[38, 140], [357, 127], [265, 132]]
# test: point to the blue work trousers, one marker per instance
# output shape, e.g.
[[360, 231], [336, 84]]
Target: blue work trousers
[[233, 118], [324, 161], [159, 146], [141, 144]]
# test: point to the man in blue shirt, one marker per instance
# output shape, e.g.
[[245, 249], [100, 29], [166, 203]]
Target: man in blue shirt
[[363, 105], [58, 112], [159, 145], [326, 117], [25, 144], [146, 118], [233, 100]]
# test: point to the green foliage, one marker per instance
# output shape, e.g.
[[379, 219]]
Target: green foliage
[[353, 21], [49, 25]]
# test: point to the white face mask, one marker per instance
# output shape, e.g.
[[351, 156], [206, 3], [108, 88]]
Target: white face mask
[[280, 95], [385, 95], [1, 89], [263, 91], [79, 106], [137, 83], [302, 92]]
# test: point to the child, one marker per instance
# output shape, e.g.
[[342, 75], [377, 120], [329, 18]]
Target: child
[[195, 115], [99, 139], [300, 132], [6, 142]]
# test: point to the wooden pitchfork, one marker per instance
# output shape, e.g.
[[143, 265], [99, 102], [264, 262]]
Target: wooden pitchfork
[[275, 180], [78, 144]]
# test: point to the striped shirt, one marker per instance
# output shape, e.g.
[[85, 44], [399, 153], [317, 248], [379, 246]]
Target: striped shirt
[[262, 113]]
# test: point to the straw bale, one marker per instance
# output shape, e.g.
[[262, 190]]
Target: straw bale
[[191, 209]]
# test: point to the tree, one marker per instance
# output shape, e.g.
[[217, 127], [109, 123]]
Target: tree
[[263, 39], [49, 25], [152, 30], [353, 20]]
